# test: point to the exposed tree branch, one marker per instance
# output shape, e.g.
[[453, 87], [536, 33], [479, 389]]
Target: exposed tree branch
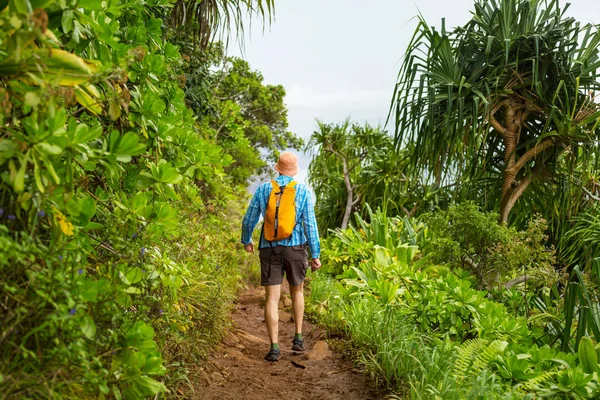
[[592, 196], [518, 280], [497, 126], [510, 197], [532, 153], [330, 149], [349, 193], [410, 213]]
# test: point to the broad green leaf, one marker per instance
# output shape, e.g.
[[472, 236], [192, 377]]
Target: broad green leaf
[[145, 386], [90, 291], [87, 210], [31, 99], [154, 366], [19, 176], [588, 358], [382, 255], [123, 299], [67, 21], [140, 330], [88, 327], [37, 175], [48, 148], [59, 66], [114, 110], [91, 5], [134, 275], [85, 134], [35, 4], [88, 101], [8, 148], [116, 392], [20, 6], [126, 146]]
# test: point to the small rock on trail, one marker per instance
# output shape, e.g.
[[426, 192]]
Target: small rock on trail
[[285, 316], [237, 369], [319, 352]]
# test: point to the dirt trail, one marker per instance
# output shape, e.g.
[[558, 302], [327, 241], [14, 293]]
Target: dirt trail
[[237, 369]]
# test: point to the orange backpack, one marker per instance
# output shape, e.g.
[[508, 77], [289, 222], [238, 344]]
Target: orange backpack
[[280, 218]]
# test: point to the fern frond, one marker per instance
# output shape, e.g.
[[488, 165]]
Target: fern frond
[[474, 356], [467, 352], [537, 383]]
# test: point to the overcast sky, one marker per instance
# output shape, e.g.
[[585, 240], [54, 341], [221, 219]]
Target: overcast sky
[[340, 58]]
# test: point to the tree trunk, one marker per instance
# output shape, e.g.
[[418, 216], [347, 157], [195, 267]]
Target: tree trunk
[[510, 147], [511, 198], [348, 212], [512, 189], [350, 192]]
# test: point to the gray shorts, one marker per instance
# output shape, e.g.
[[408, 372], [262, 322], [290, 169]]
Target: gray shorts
[[291, 261]]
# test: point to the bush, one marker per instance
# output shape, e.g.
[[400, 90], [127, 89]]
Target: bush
[[465, 237], [423, 331]]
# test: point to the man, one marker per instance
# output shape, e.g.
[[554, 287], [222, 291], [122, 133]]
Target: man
[[287, 256]]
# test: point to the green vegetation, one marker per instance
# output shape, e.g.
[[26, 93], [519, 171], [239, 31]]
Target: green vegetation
[[467, 238], [425, 331], [239, 112], [119, 204], [351, 168], [502, 110], [128, 136], [477, 277]]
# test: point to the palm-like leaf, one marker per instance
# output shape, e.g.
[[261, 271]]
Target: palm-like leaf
[[203, 20]]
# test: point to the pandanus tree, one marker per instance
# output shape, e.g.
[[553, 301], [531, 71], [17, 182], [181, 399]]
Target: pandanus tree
[[353, 165], [342, 154], [202, 20], [503, 104]]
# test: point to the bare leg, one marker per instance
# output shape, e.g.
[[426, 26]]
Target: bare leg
[[272, 294], [298, 305]]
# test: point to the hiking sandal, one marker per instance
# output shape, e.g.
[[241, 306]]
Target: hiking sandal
[[272, 355], [298, 345]]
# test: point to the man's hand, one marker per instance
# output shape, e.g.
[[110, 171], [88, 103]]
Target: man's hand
[[315, 264], [249, 248]]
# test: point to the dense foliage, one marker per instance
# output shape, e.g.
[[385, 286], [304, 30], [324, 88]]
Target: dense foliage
[[503, 111], [497, 122], [112, 200], [465, 237], [352, 167], [423, 329], [238, 111]]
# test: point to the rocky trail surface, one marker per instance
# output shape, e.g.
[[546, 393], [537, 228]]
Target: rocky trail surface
[[237, 369]]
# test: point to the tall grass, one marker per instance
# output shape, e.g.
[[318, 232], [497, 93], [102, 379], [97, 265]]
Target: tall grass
[[390, 347]]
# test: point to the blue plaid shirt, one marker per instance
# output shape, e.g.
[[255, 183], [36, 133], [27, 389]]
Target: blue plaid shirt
[[306, 223]]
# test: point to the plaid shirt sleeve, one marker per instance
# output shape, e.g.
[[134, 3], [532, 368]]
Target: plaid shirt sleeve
[[251, 218], [310, 226]]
